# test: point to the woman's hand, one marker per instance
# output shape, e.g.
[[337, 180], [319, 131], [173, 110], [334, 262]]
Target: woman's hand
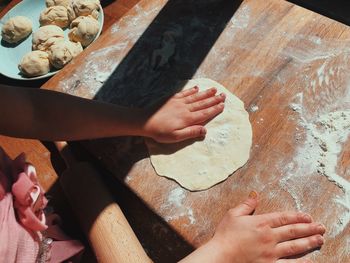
[[242, 238], [183, 116]]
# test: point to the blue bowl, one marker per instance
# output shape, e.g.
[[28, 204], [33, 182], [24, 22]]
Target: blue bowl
[[11, 54]]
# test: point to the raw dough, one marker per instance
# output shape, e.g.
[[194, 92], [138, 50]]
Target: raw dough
[[71, 13], [84, 30], [54, 15], [35, 63], [198, 165], [86, 8], [16, 29], [64, 3], [63, 52], [46, 36]]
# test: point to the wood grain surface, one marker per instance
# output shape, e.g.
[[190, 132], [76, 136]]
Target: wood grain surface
[[289, 66], [36, 153]]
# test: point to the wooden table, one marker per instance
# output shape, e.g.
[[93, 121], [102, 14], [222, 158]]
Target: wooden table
[[291, 68]]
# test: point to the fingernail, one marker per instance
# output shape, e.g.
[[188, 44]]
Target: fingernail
[[203, 131], [223, 95], [253, 195], [213, 89], [320, 240], [321, 228]]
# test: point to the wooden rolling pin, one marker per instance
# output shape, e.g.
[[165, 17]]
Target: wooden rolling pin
[[102, 220]]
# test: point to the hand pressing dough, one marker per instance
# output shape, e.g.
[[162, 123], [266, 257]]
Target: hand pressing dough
[[84, 30], [64, 3], [198, 165], [86, 8], [35, 63], [46, 36], [63, 52], [54, 15], [16, 29]]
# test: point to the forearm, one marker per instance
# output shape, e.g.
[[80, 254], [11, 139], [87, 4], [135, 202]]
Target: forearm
[[208, 253], [47, 115]]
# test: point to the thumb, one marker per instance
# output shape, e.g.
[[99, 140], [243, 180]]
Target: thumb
[[247, 207]]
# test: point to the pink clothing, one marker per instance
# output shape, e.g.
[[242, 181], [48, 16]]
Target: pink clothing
[[19, 240], [22, 218], [17, 244]]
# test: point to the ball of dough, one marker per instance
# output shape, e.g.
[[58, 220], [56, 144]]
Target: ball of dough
[[46, 36], [63, 52], [16, 29], [84, 30], [86, 8], [64, 3], [54, 15], [35, 63], [71, 13]]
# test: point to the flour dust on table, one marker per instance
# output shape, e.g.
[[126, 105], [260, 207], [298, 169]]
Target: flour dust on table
[[200, 164]]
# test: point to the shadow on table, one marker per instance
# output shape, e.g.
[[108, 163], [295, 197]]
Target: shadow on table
[[171, 49], [337, 9], [160, 241]]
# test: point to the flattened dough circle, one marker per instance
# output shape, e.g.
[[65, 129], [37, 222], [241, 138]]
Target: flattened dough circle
[[198, 165]]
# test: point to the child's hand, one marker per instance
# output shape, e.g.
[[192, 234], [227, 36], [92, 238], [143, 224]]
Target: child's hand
[[183, 115], [242, 238]]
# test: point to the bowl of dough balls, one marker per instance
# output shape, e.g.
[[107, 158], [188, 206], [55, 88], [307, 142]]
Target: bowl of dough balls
[[38, 38]]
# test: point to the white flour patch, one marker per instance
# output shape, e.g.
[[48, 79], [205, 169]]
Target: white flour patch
[[295, 107], [316, 40], [96, 71], [115, 28], [135, 21], [308, 39], [321, 74], [134, 25], [174, 207], [253, 108], [102, 76], [324, 136], [306, 50], [330, 132], [176, 197], [241, 18]]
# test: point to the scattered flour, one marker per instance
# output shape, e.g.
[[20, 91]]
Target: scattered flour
[[295, 107], [253, 108], [176, 197], [115, 28], [321, 74], [96, 71], [330, 132], [241, 18], [174, 207], [325, 136]]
